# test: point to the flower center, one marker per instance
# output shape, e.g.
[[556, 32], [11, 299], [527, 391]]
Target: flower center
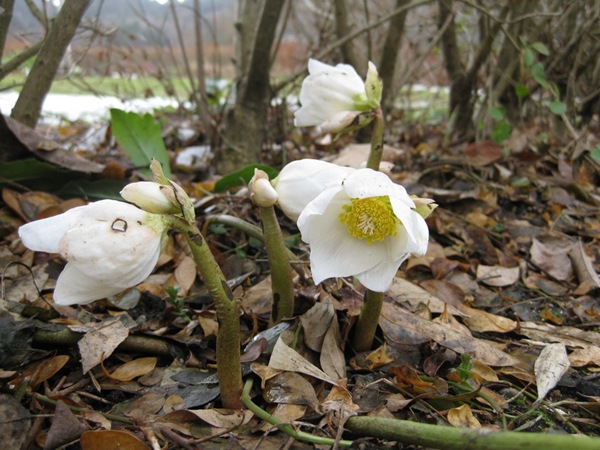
[[370, 218]]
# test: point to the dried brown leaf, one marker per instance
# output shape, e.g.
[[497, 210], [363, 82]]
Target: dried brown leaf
[[550, 366], [552, 255], [585, 357], [109, 440], [497, 276], [403, 291], [332, 357], [284, 358], [65, 427], [100, 341], [338, 407], [264, 372], [287, 413], [584, 269], [185, 274], [45, 369], [463, 417], [223, 418], [291, 387], [401, 327], [134, 369], [482, 153], [316, 323]]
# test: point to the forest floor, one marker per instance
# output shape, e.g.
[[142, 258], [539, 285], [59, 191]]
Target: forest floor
[[497, 327]]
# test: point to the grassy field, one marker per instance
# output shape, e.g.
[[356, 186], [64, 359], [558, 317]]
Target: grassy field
[[131, 87]]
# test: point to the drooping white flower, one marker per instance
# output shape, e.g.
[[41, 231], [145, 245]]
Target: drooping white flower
[[332, 97], [109, 246], [301, 181], [151, 197], [364, 226]]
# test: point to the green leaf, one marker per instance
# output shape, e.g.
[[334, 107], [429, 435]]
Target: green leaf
[[557, 107], [94, 189], [497, 113], [501, 132], [540, 48], [42, 176], [242, 177], [528, 57], [538, 72], [595, 153], [141, 138], [521, 90]]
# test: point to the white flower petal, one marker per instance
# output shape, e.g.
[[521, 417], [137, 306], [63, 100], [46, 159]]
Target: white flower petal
[[44, 235], [75, 287], [370, 183], [339, 121], [300, 182], [109, 246], [329, 90], [334, 253]]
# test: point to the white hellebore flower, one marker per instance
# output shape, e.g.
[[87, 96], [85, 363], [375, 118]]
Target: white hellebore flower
[[332, 97], [365, 226], [109, 246], [299, 182]]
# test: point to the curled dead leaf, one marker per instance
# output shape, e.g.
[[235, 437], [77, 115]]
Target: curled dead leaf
[[133, 369], [463, 417], [497, 276], [109, 440], [550, 366]]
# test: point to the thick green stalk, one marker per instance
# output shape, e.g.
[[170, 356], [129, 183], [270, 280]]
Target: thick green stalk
[[366, 325], [451, 438], [229, 366], [279, 263]]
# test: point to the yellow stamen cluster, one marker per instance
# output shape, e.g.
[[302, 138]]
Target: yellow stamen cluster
[[370, 218]]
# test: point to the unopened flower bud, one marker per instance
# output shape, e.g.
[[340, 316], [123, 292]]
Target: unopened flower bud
[[262, 192], [151, 197], [424, 206], [373, 86]]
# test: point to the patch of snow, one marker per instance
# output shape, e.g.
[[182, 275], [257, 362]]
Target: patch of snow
[[90, 108]]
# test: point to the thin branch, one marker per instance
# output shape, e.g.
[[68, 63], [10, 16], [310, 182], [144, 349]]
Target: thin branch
[[326, 51]]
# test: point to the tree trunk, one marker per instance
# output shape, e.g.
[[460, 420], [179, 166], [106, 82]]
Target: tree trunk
[[5, 18], [342, 28], [203, 108], [245, 127], [389, 56], [463, 81], [460, 104], [248, 15], [29, 104], [509, 68]]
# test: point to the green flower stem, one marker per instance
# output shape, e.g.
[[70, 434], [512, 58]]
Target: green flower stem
[[285, 427], [281, 271], [376, 140], [451, 438], [228, 336], [366, 324]]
